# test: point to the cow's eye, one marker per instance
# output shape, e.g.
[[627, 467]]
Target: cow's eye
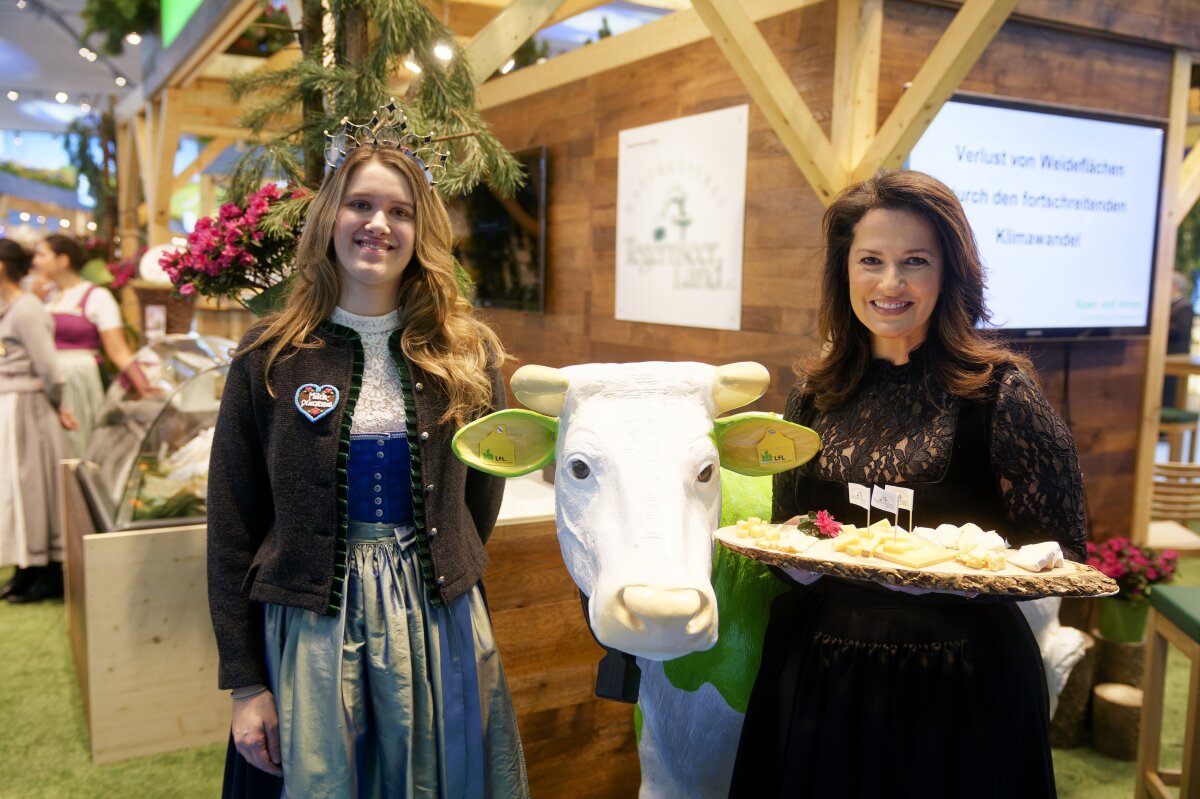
[[580, 469], [705, 474]]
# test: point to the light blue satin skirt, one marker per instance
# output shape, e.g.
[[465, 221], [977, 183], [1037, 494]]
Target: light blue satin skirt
[[392, 697]]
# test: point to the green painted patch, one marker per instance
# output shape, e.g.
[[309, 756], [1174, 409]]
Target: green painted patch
[[744, 590], [637, 722]]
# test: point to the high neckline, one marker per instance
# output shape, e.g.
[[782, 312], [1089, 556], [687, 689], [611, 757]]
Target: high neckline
[[366, 324], [912, 369]]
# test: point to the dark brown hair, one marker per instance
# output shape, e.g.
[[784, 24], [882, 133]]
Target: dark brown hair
[[65, 245], [961, 357], [14, 260]]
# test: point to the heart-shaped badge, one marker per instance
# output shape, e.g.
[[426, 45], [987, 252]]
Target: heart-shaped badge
[[315, 402]]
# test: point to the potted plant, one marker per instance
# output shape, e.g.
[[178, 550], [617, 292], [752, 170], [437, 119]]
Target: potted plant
[[1136, 570]]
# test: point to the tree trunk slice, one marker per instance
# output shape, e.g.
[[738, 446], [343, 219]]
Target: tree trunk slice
[[1071, 579], [1119, 661], [1070, 719], [1116, 711]]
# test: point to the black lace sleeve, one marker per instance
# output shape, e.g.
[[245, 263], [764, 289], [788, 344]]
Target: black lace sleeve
[[1035, 461], [783, 488]]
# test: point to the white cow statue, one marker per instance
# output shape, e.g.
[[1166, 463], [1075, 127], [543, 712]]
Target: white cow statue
[[638, 495]]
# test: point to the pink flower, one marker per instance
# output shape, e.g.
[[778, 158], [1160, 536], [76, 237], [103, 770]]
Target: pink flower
[[827, 525], [187, 290]]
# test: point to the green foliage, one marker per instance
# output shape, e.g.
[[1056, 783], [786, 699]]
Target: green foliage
[[62, 178], [1187, 245], [441, 100], [86, 138], [115, 18]]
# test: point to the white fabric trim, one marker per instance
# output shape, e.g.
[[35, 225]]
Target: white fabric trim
[[380, 407]]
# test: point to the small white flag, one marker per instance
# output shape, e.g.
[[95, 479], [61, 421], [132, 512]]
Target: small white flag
[[859, 495], [884, 500], [905, 495]]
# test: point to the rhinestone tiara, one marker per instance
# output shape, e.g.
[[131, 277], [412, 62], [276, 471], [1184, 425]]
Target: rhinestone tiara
[[388, 128]]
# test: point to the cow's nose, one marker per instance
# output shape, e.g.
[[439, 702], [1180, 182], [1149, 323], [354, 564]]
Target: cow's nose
[[666, 606]]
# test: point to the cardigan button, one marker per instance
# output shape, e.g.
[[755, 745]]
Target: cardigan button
[[432, 531], [425, 436], [441, 580], [419, 386], [429, 488]]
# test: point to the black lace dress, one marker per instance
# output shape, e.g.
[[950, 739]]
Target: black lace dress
[[867, 692]]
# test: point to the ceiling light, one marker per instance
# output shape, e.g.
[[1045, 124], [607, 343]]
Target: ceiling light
[[14, 95], [179, 241], [133, 37], [120, 81], [41, 220], [91, 226], [61, 97], [412, 66], [443, 52], [20, 4], [508, 66], [91, 56], [64, 223], [24, 215], [83, 51], [85, 107]]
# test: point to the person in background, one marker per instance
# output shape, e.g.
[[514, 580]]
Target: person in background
[[1179, 331], [31, 421], [345, 541], [86, 322], [866, 691]]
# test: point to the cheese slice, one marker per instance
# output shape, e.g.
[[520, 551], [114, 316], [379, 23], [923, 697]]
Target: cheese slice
[[915, 554]]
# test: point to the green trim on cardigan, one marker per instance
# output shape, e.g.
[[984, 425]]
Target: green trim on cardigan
[[343, 460], [424, 553]]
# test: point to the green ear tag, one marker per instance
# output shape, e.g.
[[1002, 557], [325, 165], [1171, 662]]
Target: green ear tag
[[776, 448], [496, 448]]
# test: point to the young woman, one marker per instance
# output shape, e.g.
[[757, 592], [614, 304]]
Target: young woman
[[31, 418], [345, 539], [87, 320], [865, 691]]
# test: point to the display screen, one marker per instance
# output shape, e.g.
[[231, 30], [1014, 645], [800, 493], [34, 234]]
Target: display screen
[[1064, 207], [501, 241]]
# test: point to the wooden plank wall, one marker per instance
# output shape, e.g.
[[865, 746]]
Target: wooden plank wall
[[580, 122]]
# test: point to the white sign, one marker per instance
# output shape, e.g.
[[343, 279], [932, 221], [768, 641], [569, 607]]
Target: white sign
[[884, 499], [681, 212], [859, 495], [905, 496], [1064, 210]]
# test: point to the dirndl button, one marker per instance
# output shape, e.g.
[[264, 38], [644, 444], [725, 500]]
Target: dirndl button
[[378, 500], [378, 513]]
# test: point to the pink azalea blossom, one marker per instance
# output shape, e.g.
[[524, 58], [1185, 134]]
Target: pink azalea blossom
[[827, 525]]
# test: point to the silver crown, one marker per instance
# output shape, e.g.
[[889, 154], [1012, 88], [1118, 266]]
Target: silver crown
[[388, 128]]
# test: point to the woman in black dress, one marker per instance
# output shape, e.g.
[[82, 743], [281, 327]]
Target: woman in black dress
[[866, 691]]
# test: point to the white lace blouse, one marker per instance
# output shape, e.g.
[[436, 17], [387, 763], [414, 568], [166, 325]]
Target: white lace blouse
[[380, 407]]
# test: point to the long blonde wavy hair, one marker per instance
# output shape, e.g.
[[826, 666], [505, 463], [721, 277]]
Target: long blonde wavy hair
[[441, 334]]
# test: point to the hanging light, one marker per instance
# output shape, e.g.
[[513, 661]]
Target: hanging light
[[120, 81], [62, 97], [21, 4], [14, 95], [508, 66], [442, 51], [134, 38], [412, 66], [24, 216], [64, 223], [91, 226]]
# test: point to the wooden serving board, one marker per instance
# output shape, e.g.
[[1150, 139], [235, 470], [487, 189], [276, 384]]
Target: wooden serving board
[[1070, 579]]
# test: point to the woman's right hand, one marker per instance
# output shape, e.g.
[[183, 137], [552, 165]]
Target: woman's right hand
[[256, 732]]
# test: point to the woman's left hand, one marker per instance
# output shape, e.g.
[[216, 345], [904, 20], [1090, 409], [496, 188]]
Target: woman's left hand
[[67, 419]]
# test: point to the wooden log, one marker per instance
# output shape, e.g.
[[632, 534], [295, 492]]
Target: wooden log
[[1116, 709], [1119, 661], [1070, 720]]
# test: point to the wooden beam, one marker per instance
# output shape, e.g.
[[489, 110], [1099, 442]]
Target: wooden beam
[[227, 26], [973, 27], [775, 94], [856, 78], [1189, 181], [661, 36], [128, 183], [501, 37], [141, 141], [214, 129], [1164, 267], [211, 152], [166, 143]]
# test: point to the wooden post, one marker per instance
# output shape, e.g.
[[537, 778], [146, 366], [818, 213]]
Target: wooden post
[[1160, 307], [856, 78]]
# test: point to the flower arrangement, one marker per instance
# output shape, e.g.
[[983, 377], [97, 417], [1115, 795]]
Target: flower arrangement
[[1135, 569], [126, 269], [242, 248], [819, 523]]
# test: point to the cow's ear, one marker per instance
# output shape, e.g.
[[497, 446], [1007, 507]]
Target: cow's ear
[[507, 443], [758, 444]]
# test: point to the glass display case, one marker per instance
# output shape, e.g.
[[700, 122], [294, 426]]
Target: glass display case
[[146, 464]]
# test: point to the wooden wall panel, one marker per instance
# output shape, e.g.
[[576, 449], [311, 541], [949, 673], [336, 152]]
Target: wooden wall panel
[[580, 124], [575, 744]]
